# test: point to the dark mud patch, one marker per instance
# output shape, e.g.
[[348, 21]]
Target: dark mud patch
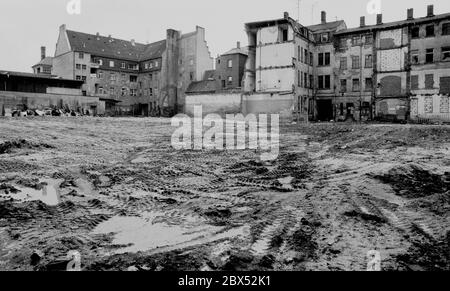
[[9, 146], [427, 256], [412, 181]]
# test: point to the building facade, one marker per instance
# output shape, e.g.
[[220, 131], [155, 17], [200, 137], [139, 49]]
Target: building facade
[[145, 79]]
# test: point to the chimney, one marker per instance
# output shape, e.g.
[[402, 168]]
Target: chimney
[[238, 44], [323, 17], [43, 54], [379, 19], [430, 10], [362, 21], [410, 14], [286, 15], [133, 42]]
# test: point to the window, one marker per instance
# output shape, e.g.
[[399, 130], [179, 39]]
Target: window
[[146, 66], [324, 37], [123, 66], [414, 57], [446, 53], [101, 90], [81, 56], [78, 78], [156, 64], [112, 77], [311, 81], [355, 86], [324, 82], [444, 85], [224, 84], [327, 59], [123, 91], [111, 64], [369, 39], [343, 86], [133, 67], [84, 67], [356, 40], [133, 79], [415, 82], [133, 92], [429, 30], [369, 61], [343, 63], [306, 56], [369, 84], [100, 75], [299, 79], [112, 91], [150, 91], [415, 32], [78, 66], [343, 43], [300, 54], [355, 62], [311, 59], [230, 80], [284, 35], [320, 82], [321, 61], [100, 62], [429, 57], [83, 78], [191, 76], [446, 29], [230, 63], [429, 81]]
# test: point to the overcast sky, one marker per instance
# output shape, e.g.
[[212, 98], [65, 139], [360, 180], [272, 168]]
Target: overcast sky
[[25, 25]]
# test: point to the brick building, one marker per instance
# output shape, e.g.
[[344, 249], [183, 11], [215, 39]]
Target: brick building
[[146, 79]]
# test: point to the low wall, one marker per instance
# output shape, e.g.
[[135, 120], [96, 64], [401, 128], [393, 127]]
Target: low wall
[[432, 107], [221, 103], [17, 100], [234, 103]]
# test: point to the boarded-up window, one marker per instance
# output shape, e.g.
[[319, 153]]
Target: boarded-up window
[[428, 105], [445, 104], [429, 81], [445, 85], [415, 82], [391, 86]]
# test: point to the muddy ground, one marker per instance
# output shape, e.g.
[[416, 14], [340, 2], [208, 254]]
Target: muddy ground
[[116, 192]]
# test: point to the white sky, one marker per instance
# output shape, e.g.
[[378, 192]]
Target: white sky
[[25, 25]]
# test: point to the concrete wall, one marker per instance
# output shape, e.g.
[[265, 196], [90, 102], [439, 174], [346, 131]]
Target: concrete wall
[[13, 100], [221, 103]]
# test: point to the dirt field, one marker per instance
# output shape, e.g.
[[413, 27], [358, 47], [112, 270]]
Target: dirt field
[[115, 191]]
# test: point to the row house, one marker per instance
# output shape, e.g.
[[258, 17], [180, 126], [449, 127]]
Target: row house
[[134, 78]]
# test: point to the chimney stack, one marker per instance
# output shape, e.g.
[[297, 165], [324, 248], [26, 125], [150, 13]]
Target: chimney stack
[[324, 17], [286, 15], [362, 21], [410, 14], [133, 42], [379, 19], [43, 54], [430, 10], [238, 44]]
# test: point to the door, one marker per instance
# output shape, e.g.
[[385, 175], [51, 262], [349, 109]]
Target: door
[[324, 110]]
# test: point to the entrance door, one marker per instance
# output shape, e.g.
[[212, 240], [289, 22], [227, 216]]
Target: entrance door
[[324, 110]]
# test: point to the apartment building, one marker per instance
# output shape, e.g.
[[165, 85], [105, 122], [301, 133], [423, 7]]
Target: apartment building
[[138, 79]]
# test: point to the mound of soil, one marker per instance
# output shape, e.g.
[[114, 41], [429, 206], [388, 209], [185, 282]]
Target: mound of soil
[[8, 146], [412, 181]]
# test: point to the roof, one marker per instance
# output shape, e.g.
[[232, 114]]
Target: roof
[[48, 61], [242, 51], [395, 24], [114, 48], [205, 86], [326, 26], [36, 76], [209, 74]]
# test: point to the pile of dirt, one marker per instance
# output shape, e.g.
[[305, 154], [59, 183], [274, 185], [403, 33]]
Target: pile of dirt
[[9, 146], [412, 181]]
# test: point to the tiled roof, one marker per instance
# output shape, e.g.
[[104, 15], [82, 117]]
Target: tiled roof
[[326, 26], [242, 51], [48, 61], [205, 86], [209, 74], [114, 48]]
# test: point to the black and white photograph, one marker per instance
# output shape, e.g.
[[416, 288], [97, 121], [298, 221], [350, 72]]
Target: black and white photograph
[[207, 136]]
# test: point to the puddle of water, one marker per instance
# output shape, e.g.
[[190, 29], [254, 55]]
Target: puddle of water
[[149, 233], [50, 194]]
